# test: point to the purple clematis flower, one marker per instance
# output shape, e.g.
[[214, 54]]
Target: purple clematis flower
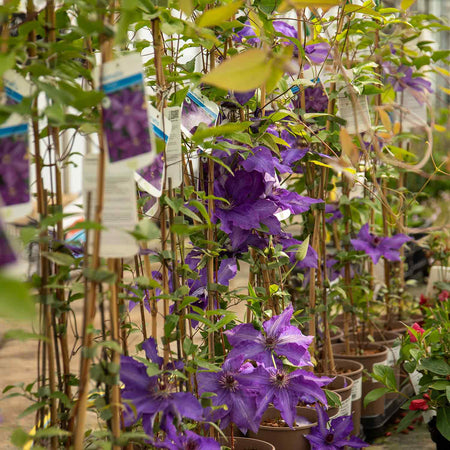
[[376, 246], [279, 338], [233, 387], [317, 53], [292, 201], [243, 97], [403, 76], [188, 440], [335, 212], [151, 395], [154, 172], [285, 389], [316, 101], [247, 210], [125, 122], [248, 34], [14, 170], [336, 436], [260, 161], [291, 245]]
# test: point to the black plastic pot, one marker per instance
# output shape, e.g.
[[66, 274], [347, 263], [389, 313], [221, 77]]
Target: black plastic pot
[[436, 436]]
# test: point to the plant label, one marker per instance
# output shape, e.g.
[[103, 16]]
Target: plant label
[[125, 121], [14, 168], [119, 213]]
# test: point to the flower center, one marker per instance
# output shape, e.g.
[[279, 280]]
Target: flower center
[[191, 445], [229, 382], [280, 379], [271, 342], [127, 110], [376, 241], [6, 159], [330, 438]]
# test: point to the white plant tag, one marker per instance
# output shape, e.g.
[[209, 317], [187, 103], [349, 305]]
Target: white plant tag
[[15, 195], [125, 117], [346, 407], [415, 115], [119, 213], [357, 389], [16, 86], [358, 119], [197, 109], [151, 178], [173, 148]]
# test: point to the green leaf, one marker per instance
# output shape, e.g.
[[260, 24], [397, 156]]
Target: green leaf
[[145, 230], [300, 4], [189, 347], [407, 420], [241, 73], [22, 335], [32, 408], [443, 421], [333, 399], [202, 210], [216, 16], [221, 130], [51, 432], [300, 255], [363, 10], [15, 299], [447, 393], [438, 366], [405, 4], [170, 323], [61, 259], [7, 61], [385, 375], [19, 437], [187, 6], [375, 394], [99, 275]]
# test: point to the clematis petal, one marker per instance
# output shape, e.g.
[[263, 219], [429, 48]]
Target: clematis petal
[[275, 325], [286, 404], [151, 351]]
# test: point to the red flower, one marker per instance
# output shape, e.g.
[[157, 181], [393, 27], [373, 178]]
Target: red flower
[[419, 404], [443, 296], [416, 327], [423, 300]]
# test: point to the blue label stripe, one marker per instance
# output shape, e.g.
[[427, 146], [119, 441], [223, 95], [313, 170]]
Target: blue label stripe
[[198, 102], [295, 89], [123, 83], [11, 93], [16, 129], [159, 133]]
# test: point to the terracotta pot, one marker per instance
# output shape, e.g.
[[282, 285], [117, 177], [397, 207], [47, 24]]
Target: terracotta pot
[[242, 443], [284, 438], [367, 360], [353, 370]]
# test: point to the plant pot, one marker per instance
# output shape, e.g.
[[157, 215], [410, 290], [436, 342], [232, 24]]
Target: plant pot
[[388, 338], [285, 438], [336, 335], [374, 354], [441, 442], [243, 443], [353, 370], [343, 386]]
